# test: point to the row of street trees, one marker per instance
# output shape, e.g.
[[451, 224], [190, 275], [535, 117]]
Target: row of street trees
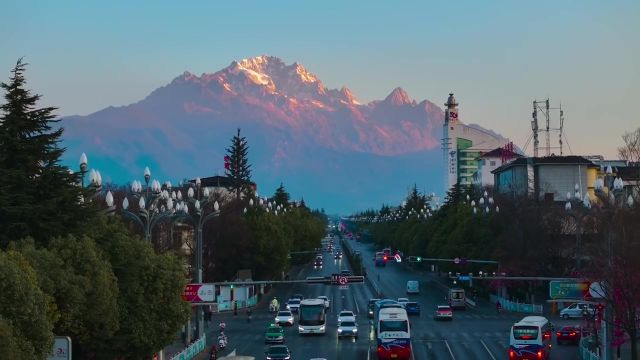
[[598, 241]]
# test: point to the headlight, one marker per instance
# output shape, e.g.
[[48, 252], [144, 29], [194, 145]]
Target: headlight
[[355, 330], [339, 330], [288, 307], [322, 328], [300, 328]]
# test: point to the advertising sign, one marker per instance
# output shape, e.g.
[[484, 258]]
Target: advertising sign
[[197, 293], [61, 348], [569, 290]]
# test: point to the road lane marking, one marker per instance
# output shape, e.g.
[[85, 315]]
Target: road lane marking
[[356, 303], [429, 345], [486, 348], [450, 352]]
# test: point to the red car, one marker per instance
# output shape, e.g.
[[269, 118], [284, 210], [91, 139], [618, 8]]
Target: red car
[[568, 334]]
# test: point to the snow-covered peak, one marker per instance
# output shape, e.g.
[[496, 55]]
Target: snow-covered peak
[[398, 97], [348, 95]]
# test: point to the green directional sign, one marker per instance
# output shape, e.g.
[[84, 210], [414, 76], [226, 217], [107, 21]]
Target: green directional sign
[[569, 289]]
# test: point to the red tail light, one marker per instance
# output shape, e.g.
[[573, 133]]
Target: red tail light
[[512, 354], [572, 334], [385, 258], [380, 349], [539, 354], [558, 333]]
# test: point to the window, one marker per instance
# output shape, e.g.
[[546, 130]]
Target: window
[[393, 325], [312, 315], [492, 163], [525, 332]]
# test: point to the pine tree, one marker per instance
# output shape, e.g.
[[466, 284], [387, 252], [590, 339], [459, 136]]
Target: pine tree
[[281, 196], [239, 170], [39, 196]]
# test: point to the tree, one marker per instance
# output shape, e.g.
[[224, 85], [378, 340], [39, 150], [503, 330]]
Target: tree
[[74, 271], [27, 314], [281, 197], [631, 149], [239, 169], [151, 310], [34, 186]]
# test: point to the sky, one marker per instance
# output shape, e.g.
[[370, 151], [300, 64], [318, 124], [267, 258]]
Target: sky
[[496, 56]]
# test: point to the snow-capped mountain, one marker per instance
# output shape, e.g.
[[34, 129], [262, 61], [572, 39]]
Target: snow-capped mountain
[[322, 143]]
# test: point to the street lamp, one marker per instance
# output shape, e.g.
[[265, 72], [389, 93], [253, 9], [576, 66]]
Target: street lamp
[[155, 204], [203, 210]]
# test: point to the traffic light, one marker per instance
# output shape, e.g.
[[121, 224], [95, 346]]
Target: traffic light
[[419, 259]]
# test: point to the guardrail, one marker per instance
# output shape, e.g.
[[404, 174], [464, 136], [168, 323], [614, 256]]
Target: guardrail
[[375, 289], [516, 306], [585, 353], [192, 351]]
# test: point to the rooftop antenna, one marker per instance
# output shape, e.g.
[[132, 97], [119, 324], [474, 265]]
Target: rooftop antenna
[[545, 108]]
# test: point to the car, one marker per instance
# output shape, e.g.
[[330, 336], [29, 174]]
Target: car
[[278, 352], [337, 256], [443, 312], [348, 328], [298, 296], [577, 310], [327, 302], [403, 301], [413, 287], [274, 334], [569, 334], [317, 264], [412, 308], [346, 272], [371, 306], [346, 314], [284, 317], [293, 305]]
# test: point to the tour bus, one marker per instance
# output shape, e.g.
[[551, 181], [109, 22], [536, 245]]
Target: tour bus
[[393, 335], [383, 304], [312, 317], [457, 299], [530, 338], [380, 259]]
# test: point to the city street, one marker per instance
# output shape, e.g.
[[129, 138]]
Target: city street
[[477, 333]]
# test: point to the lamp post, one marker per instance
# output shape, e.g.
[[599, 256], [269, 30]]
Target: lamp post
[[155, 204], [203, 211], [573, 208]]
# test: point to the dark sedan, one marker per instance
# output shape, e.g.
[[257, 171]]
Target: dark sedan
[[568, 334], [278, 352], [412, 308]]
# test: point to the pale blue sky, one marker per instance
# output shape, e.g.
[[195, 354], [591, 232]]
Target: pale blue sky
[[496, 56]]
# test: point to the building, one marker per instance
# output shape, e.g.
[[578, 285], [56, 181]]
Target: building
[[547, 178], [462, 145], [218, 187], [490, 161]]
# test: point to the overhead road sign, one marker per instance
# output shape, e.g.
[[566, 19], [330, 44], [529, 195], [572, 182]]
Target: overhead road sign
[[577, 289]]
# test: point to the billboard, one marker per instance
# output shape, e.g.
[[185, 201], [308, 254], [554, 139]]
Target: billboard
[[197, 293]]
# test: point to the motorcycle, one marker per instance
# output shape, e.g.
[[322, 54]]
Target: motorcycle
[[222, 342], [273, 307]]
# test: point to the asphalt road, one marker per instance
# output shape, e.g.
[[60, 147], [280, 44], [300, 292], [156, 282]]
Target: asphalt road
[[477, 333]]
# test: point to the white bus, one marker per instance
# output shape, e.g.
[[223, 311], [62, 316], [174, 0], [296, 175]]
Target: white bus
[[530, 338], [312, 317], [393, 334]]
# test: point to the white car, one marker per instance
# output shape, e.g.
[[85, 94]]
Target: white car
[[346, 315], [284, 318], [293, 305], [403, 301], [348, 328], [327, 302]]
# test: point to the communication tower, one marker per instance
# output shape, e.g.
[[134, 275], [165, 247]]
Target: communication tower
[[543, 107]]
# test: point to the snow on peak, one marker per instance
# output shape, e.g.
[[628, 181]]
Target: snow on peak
[[304, 75], [348, 95], [399, 97]]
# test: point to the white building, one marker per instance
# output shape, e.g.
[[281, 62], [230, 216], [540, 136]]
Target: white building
[[462, 145]]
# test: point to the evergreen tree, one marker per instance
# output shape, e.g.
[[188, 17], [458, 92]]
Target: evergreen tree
[[281, 197], [239, 170], [39, 196]]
